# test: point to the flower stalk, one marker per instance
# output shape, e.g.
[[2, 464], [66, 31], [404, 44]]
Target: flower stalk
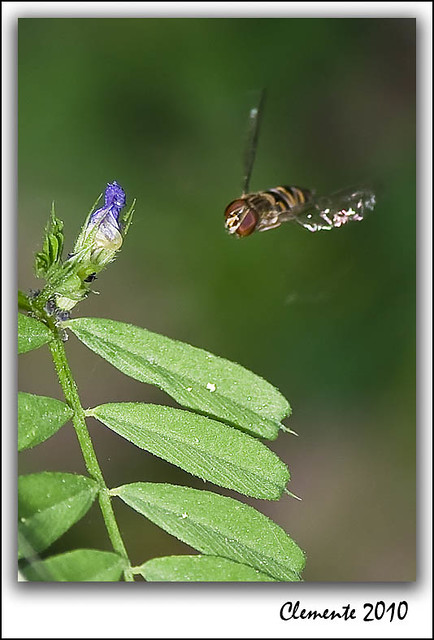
[[70, 391]]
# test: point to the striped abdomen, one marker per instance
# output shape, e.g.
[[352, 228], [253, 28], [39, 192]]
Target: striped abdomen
[[288, 197]]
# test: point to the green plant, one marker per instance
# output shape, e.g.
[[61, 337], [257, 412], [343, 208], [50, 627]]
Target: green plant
[[217, 436]]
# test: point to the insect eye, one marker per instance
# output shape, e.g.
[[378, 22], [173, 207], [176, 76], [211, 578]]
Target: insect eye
[[234, 207], [248, 224]]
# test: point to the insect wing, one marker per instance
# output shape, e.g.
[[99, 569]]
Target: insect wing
[[325, 212], [252, 140]]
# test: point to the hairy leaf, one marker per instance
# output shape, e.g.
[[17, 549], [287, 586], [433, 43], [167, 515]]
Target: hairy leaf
[[49, 503], [23, 302], [32, 334], [80, 565], [52, 246], [200, 569], [217, 525], [39, 418], [195, 378], [204, 447]]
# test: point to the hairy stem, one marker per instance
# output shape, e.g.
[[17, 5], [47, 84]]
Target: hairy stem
[[70, 391]]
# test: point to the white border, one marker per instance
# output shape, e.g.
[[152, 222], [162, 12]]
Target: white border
[[212, 611], [16, 10]]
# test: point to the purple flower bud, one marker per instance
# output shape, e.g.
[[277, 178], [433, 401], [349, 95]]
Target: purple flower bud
[[108, 235], [114, 195]]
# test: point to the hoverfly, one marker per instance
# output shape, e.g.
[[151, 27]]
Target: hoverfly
[[264, 210]]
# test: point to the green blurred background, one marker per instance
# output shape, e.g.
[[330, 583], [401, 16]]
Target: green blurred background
[[161, 105]]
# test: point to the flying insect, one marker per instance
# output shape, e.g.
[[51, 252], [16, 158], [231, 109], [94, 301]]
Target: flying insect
[[265, 210]]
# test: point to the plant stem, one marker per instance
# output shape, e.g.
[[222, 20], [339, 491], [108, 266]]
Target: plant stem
[[70, 391]]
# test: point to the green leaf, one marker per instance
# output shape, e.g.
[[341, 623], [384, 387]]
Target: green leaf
[[52, 247], [39, 418], [195, 378], [200, 569], [49, 503], [203, 447], [23, 302], [80, 565], [32, 334], [217, 525]]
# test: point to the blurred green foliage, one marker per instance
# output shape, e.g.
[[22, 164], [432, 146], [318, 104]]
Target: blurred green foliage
[[161, 106]]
